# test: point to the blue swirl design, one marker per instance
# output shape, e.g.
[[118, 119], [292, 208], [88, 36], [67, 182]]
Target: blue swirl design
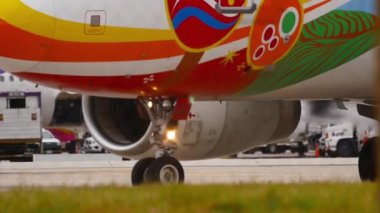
[[206, 18]]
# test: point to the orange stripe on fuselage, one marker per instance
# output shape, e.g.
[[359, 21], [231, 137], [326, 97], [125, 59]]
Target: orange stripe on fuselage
[[19, 44], [316, 6]]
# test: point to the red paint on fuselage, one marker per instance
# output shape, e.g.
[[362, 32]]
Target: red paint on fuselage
[[207, 80], [217, 78]]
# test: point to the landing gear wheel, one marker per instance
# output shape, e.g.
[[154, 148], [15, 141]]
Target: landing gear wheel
[[367, 162], [139, 171], [165, 170], [273, 149]]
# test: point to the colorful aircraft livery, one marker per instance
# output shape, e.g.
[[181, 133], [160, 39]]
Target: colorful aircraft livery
[[181, 47], [274, 34], [198, 25]]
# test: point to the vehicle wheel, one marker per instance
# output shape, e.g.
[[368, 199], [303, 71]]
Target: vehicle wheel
[[264, 150], [165, 170], [322, 153], [272, 148], [367, 163], [281, 149], [345, 149], [23, 159], [139, 171], [332, 154], [29, 159]]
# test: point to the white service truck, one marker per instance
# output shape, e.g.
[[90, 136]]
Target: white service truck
[[339, 140], [20, 125]]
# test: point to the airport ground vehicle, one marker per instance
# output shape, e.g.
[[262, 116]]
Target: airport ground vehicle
[[298, 141], [20, 125], [50, 144], [340, 140], [272, 148], [91, 146], [276, 148]]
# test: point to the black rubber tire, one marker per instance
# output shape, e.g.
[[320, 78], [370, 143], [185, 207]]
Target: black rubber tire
[[264, 150], [29, 159], [139, 170], [367, 162], [345, 149], [273, 149], [322, 153], [154, 170], [332, 154], [22, 159]]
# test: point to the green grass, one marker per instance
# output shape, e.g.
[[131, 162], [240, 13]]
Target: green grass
[[321, 197]]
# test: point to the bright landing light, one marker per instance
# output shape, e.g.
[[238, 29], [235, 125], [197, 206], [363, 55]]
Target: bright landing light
[[150, 104], [171, 135]]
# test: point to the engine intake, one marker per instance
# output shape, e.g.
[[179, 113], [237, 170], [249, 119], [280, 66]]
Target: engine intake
[[119, 125]]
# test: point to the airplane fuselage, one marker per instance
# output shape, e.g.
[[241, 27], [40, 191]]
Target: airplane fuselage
[[185, 47]]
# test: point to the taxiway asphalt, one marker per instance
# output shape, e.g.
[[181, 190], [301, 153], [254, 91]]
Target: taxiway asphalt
[[107, 169]]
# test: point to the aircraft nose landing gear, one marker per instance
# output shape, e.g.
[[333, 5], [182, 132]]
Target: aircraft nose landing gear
[[163, 169]]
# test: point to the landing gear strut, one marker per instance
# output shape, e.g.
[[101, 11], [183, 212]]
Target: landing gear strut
[[163, 169], [367, 161]]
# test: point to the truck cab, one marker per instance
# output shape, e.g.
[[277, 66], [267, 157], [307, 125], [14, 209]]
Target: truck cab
[[340, 140]]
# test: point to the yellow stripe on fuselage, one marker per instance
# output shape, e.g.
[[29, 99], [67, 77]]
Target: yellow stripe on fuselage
[[21, 16]]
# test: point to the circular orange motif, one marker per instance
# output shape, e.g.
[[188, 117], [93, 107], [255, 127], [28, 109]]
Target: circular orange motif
[[276, 28]]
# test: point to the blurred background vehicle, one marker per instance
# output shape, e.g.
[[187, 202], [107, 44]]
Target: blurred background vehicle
[[91, 146], [20, 125], [50, 144]]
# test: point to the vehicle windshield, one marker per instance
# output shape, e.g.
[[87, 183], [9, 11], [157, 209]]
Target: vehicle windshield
[[47, 134]]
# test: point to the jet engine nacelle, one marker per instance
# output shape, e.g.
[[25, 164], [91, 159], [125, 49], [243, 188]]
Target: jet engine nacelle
[[214, 128]]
